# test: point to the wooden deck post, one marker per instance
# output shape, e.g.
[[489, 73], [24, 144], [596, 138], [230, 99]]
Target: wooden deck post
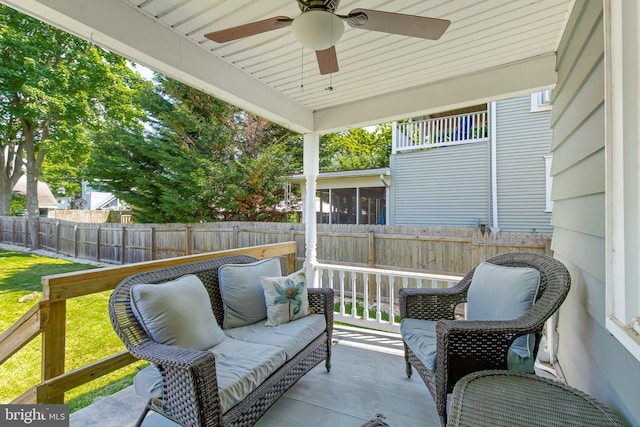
[[152, 243], [53, 348], [547, 246], [57, 237], [75, 241], [123, 244], [234, 242], [98, 243], [187, 240], [291, 263], [291, 258]]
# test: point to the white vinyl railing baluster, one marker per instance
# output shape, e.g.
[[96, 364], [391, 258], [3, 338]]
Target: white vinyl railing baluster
[[473, 134], [365, 312], [485, 124], [456, 129], [378, 298], [354, 296], [341, 278], [392, 282]]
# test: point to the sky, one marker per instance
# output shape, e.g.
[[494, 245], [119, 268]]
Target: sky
[[144, 71]]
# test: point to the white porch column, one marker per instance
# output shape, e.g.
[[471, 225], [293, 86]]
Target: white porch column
[[494, 169], [311, 164]]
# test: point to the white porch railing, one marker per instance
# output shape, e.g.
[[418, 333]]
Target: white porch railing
[[373, 293], [442, 131]]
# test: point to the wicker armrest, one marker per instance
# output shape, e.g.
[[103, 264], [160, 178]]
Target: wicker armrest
[[465, 346], [162, 354], [189, 382], [321, 300], [430, 304]]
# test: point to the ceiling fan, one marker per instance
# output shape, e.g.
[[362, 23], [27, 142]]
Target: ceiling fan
[[318, 27]]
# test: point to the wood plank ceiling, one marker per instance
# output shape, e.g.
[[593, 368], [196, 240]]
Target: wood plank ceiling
[[374, 67]]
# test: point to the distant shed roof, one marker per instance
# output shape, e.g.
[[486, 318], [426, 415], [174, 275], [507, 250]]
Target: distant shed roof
[[45, 196]]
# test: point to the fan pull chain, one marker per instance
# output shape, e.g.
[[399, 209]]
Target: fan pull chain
[[330, 88], [302, 68]]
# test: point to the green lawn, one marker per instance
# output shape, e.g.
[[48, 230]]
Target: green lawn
[[348, 307], [89, 338]]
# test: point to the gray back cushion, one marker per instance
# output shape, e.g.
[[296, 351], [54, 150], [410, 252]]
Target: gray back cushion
[[504, 293], [177, 313], [242, 293]]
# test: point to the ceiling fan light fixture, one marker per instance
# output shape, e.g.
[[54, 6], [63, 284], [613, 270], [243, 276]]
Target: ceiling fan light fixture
[[317, 29]]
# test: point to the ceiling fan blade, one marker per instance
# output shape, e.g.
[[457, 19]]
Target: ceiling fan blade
[[327, 60], [246, 30], [398, 23]]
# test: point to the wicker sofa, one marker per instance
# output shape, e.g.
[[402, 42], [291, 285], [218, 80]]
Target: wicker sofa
[[191, 386]]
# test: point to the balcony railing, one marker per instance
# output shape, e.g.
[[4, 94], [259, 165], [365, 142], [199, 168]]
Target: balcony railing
[[368, 297], [442, 131]]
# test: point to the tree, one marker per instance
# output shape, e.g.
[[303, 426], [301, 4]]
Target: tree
[[54, 88], [356, 149], [18, 205], [199, 159]]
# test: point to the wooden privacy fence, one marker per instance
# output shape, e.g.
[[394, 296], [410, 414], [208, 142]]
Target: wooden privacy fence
[[49, 319], [448, 250]]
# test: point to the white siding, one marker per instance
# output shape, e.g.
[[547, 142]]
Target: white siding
[[523, 139], [591, 358], [442, 186]]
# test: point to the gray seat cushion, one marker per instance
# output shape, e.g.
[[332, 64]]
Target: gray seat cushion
[[240, 368], [243, 366], [420, 337], [291, 336], [148, 382]]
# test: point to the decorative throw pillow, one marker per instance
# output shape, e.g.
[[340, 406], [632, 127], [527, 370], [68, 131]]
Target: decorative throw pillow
[[177, 313], [286, 298], [241, 291], [503, 293]]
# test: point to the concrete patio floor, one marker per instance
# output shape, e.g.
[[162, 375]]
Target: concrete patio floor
[[367, 377]]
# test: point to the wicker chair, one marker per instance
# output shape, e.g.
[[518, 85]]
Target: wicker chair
[[190, 391], [464, 346]]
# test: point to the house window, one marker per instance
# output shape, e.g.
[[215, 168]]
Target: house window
[[372, 205], [541, 101], [622, 108], [343, 205], [360, 205], [549, 183]]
